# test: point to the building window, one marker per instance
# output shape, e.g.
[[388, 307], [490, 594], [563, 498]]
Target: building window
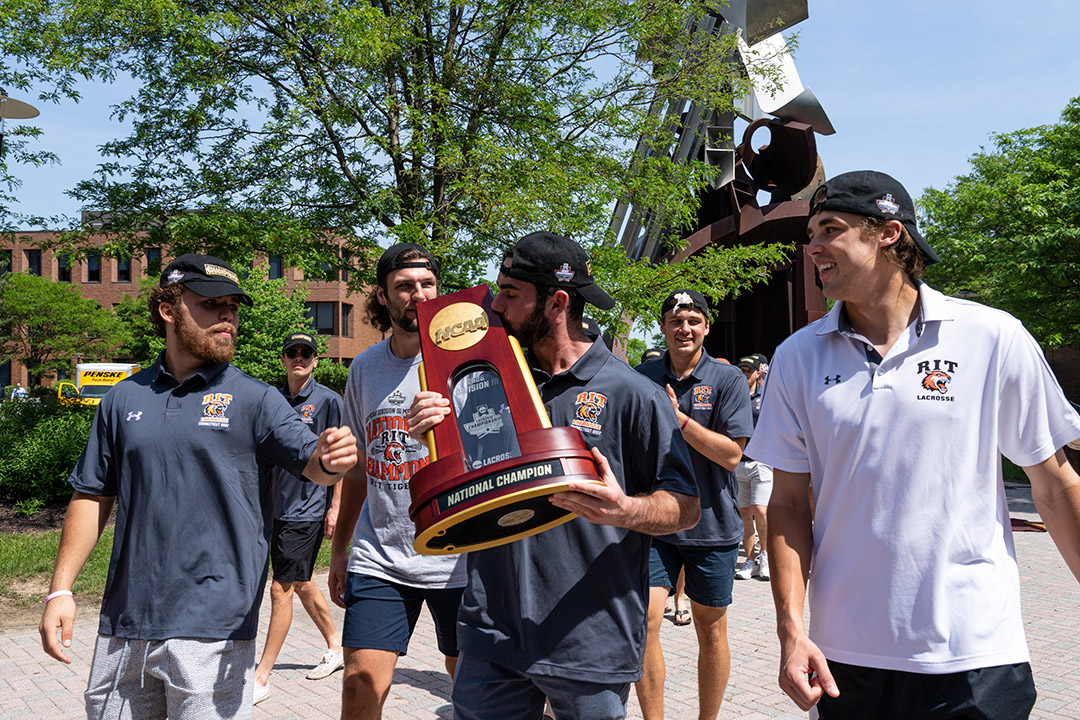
[[346, 259], [5, 261], [93, 267], [275, 269], [63, 268], [346, 316], [33, 261], [153, 261], [5, 375], [123, 270], [321, 317]]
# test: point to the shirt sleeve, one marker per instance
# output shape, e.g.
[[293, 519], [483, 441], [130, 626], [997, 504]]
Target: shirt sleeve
[[282, 438], [779, 439], [1034, 417], [733, 414], [95, 472], [657, 457]]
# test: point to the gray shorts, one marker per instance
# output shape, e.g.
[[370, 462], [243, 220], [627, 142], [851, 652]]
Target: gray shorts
[[755, 483], [179, 678]]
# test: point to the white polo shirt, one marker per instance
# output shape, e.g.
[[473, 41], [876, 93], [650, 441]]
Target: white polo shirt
[[914, 567]]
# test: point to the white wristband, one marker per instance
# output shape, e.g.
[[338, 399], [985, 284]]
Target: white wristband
[[58, 593]]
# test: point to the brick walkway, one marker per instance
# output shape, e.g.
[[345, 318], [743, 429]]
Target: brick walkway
[[33, 685]]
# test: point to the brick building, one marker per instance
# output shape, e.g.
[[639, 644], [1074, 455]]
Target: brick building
[[335, 311]]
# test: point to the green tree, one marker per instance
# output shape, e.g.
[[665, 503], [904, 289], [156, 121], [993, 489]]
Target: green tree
[[263, 327], [462, 125], [46, 326], [1008, 232]]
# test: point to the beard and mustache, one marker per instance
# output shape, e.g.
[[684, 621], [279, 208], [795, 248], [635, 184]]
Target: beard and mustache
[[534, 330], [205, 344]]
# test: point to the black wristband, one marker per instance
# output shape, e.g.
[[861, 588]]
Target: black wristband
[[325, 470]]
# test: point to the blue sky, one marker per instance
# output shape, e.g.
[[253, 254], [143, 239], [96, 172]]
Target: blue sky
[[913, 89]]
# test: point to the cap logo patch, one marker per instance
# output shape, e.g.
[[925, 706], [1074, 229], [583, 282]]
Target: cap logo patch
[[887, 204], [683, 299], [565, 273], [175, 276], [223, 272]]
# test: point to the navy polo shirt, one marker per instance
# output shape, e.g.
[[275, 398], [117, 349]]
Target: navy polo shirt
[[715, 395], [570, 602], [294, 498], [184, 461]]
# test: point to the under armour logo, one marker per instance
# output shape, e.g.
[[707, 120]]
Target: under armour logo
[[833, 379], [134, 416]]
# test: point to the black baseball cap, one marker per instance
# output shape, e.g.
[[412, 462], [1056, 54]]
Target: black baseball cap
[[544, 258], [685, 298], [300, 338], [871, 194], [754, 362], [389, 261], [206, 275], [652, 354]]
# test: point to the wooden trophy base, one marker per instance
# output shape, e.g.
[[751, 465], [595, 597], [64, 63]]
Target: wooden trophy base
[[500, 503]]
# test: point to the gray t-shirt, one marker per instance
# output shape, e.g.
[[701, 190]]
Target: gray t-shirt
[[379, 392]]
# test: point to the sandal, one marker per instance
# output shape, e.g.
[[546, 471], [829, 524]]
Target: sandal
[[682, 617]]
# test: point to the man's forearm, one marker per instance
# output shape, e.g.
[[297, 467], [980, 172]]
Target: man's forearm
[[83, 524], [353, 492], [722, 450], [790, 547], [663, 512]]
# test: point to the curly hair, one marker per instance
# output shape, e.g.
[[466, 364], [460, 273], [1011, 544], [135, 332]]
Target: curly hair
[[377, 314], [171, 295], [905, 252]]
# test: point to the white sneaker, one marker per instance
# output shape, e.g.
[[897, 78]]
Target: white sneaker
[[331, 661], [744, 570], [261, 693], [761, 566]]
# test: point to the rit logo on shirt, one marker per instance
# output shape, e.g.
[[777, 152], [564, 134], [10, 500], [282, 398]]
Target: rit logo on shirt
[[928, 366]]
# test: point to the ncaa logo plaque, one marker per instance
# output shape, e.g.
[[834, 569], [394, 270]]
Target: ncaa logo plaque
[[495, 459]]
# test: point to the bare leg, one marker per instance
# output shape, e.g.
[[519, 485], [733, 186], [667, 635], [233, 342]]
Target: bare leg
[[281, 611], [714, 658], [761, 519], [315, 604], [650, 689], [366, 682], [749, 537]]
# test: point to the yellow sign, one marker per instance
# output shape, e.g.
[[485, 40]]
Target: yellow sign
[[458, 326]]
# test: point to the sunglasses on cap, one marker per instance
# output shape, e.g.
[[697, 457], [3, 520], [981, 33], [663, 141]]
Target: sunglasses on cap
[[306, 353]]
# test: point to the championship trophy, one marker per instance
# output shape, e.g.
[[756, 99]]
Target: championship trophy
[[495, 459]]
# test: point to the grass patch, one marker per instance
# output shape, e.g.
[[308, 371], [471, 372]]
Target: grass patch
[[1013, 473], [27, 555]]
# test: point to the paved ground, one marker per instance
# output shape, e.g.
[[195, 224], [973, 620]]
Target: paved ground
[[32, 685]]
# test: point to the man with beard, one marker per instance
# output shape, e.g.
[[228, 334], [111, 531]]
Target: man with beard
[[562, 614], [384, 583], [179, 449]]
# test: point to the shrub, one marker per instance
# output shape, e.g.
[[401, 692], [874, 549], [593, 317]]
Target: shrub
[[333, 375], [40, 443]]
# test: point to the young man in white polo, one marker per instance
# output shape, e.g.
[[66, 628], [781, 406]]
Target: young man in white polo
[[894, 410]]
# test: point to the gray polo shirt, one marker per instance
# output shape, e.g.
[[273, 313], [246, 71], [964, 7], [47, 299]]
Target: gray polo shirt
[[715, 395], [189, 556], [570, 602], [296, 499]]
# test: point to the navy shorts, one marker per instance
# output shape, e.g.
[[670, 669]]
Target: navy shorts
[[1004, 692], [484, 690], [294, 548], [710, 570], [381, 615]]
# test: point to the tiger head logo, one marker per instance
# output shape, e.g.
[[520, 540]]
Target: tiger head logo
[[215, 404], [306, 411], [589, 411], [937, 380], [393, 452], [702, 393]]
